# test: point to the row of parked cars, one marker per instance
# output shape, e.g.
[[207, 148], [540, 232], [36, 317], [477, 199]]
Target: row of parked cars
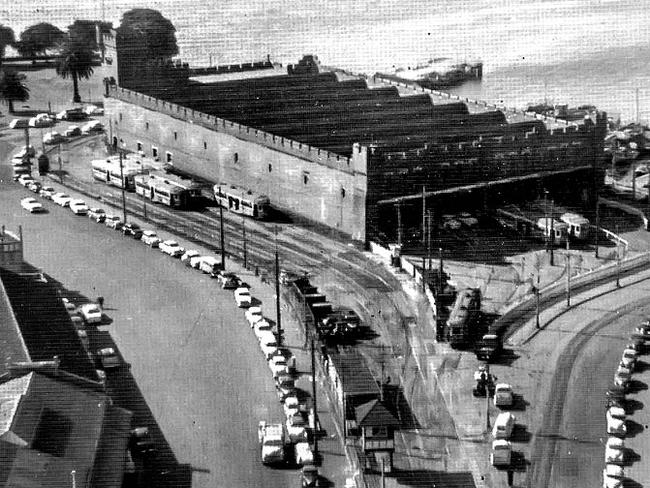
[[615, 453], [43, 120]]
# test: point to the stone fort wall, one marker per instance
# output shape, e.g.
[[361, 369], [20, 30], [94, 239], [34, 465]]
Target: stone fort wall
[[315, 184]]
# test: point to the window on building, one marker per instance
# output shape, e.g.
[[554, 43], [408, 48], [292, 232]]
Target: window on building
[[147, 125], [205, 145], [270, 168], [175, 135], [168, 157], [305, 177], [139, 144], [379, 431], [342, 192], [236, 157], [120, 116], [154, 151]]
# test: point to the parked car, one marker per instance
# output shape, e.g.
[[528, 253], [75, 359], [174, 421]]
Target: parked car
[[150, 238], [501, 453], [93, 110], [108, 358], [623, 376], [503, 396], [41, 120], [210, 265], [243, 297], [132, 229], [35, 186], [31, 205], [253, 314], [78, 207], [47, 192], [25, 151], [72, 131], [297, 428], [69, 306], [628, 359], [25, 180], [261, 327], [309, 477], [643, 331], [97, 214], [53, 138], [113, 221], [269, 345], [612, 474], [92, 126], [303, 453], [91, 313], [62, 199], [19, 124], [292, 406], [228, 281], [141, 441], [278, 364], [72, 114], [616, 426], [503, 426], [172, 248], [614, 456], [188, 255]]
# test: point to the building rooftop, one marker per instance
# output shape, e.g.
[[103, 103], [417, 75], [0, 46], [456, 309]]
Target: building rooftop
[[375, 414], [356, 378]]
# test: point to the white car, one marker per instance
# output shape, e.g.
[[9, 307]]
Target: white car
[[93, 110], [92, 126], [269, 345], [62, 199], [243, 297], [69, 306], [253, 314], [262, 326], [41, 120], [615, 443], [172, 248], [612, 474], [616, 426], [72, 131], [19, 124], [297, 428], [195, 261], [91, 313], [53, 138], [78, 207], [614, 456], [278, 364], [150, 238], [187, 256], [114, 222], [97, 214], [25, 151], [25, 180], [31, 205], [503, 395], [628, 359], [47, 192], [291, 406], [303, 453], [501, 453], [623, 376]]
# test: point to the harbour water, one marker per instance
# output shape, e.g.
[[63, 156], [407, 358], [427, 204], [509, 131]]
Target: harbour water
[[571, 51]]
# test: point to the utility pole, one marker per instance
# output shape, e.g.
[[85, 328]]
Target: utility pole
[[598, 222], [633, 181], [122, 184], [537, 302], [429, 238], [568, 274], [546, 232], [278, 317], [313, 395], [221, 237], [60, 166], [243, 228], [637, 105], [618, 259], [399, 223], [487, 397], [552, 235], [144, 204], [424, 213]]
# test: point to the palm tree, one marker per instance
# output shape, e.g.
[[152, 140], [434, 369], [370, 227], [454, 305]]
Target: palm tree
[[75, 61], [7, 38], [12, 88]]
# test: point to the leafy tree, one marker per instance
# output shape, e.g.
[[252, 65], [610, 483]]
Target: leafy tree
[[147, 31], [12, 88], [7, 38], [85, 29], [75, 61], [39, 38]]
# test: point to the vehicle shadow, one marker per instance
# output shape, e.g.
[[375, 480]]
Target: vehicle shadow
[[519, 403], [641, 366], [631, 456], [633, 428], [636, 386], [632, 406], [521, 434], [628, 483]]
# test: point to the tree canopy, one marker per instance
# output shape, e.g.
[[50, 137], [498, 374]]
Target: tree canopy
[[75, 61], [39, 38], [146, 30], [7, 38], [85, 29], [12, 88]]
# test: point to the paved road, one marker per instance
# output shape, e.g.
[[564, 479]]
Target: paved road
[[191, 352]]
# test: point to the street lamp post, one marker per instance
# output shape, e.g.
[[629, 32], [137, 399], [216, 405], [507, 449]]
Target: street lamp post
[[243, 229], [222, 237], [568, 274], [618, 259], [122, 185], [537, 302], [277, 289]]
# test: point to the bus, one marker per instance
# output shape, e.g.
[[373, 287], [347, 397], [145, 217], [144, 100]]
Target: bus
[[167, 189], [578, 225], [463, 317], [242, 201], [109, 171]]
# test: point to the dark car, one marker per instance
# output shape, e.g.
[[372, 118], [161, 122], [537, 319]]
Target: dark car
[[131, 229], [141, 441], [228, 281]]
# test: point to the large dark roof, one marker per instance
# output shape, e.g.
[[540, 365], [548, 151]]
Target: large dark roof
[[356, 378], [374, 413], [44, 324]]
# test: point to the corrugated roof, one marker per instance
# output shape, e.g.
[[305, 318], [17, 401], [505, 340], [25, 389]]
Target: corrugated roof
[[110, 459], [356, 378], [44, 324]]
